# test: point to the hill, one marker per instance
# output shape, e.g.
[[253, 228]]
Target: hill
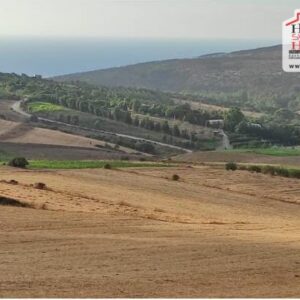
[[248, 76]]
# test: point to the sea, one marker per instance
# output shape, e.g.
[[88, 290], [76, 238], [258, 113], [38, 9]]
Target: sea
[[57, 56]]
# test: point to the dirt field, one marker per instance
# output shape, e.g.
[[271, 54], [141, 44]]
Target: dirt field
[[5, 110], [215, 156], [136, 233], [22, 133]]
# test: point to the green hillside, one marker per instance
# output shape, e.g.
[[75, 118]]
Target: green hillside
[[251, 79]]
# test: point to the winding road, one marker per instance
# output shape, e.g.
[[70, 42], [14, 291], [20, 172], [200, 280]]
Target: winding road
[[17, 107]]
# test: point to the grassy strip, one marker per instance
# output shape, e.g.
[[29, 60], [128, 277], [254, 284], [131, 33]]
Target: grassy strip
[[35, 107], [273, 151], [89, 164], [266, 169]]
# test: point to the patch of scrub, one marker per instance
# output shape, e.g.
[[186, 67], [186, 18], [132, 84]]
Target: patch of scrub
[[13, 202]]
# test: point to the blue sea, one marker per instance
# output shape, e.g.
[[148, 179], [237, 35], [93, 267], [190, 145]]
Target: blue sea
[[56, 56]]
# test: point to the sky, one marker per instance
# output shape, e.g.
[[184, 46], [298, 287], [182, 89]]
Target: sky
[[193, 19]]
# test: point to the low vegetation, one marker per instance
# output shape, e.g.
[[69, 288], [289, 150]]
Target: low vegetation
[[107, 166], [175, 177], [18, 162], [90, 164], [266, 169], [40, 186], [13, 202], [231, 166], [273, 151]]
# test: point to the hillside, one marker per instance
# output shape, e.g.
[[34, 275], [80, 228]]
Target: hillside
[[257, 72]]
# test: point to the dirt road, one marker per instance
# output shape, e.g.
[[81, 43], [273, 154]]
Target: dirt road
[[136, 233]]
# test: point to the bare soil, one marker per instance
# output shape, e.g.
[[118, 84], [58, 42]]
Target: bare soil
[[137, 233], [22, 133]]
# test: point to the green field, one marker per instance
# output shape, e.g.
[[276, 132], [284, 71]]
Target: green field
[[274, 151], [89, 164], [35, 107]]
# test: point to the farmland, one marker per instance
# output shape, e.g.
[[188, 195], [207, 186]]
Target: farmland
[[134, 232]]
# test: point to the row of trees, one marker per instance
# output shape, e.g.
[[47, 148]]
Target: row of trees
[[235, 121]]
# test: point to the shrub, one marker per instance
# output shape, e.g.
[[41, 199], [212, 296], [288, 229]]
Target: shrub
[[231, 166], [34, 118], [269, 170], [18, 162], [175, 177], [243, 168], [14, 182], [282, 172], [107, 166], [294, 173], [255, 168], [144, 147], [40, 185], [125, 158]]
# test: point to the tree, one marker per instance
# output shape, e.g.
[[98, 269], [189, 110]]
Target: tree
[[176, 131], [75, 120], [157, 126], [97, 124], [242, 127], [136, 105], [136, 121], [145, 147], [18, 162], [128, 118], [165, 127], [143, 123], [233, 117]]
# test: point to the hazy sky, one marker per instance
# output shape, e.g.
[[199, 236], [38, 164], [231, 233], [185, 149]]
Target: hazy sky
[[253, 19]]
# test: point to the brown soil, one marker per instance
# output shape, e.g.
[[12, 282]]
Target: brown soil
[[137, 233], [22, 133]]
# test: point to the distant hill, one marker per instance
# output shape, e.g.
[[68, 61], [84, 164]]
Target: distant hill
[[250, 79], [250, 70]]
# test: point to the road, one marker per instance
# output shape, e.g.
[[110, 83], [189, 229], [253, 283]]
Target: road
[[18, 108], [225, 141]]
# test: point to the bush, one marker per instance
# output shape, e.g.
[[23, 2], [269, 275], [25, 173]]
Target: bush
[[231, 166], [144, 147], [295, 173], [254, 168], [125, 158], [243, 168], [282, 172], [273, 170], [34, 118], [269, 170], [40, 186], [107, 166], [175, 177], [14, 182], [18, 162]]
